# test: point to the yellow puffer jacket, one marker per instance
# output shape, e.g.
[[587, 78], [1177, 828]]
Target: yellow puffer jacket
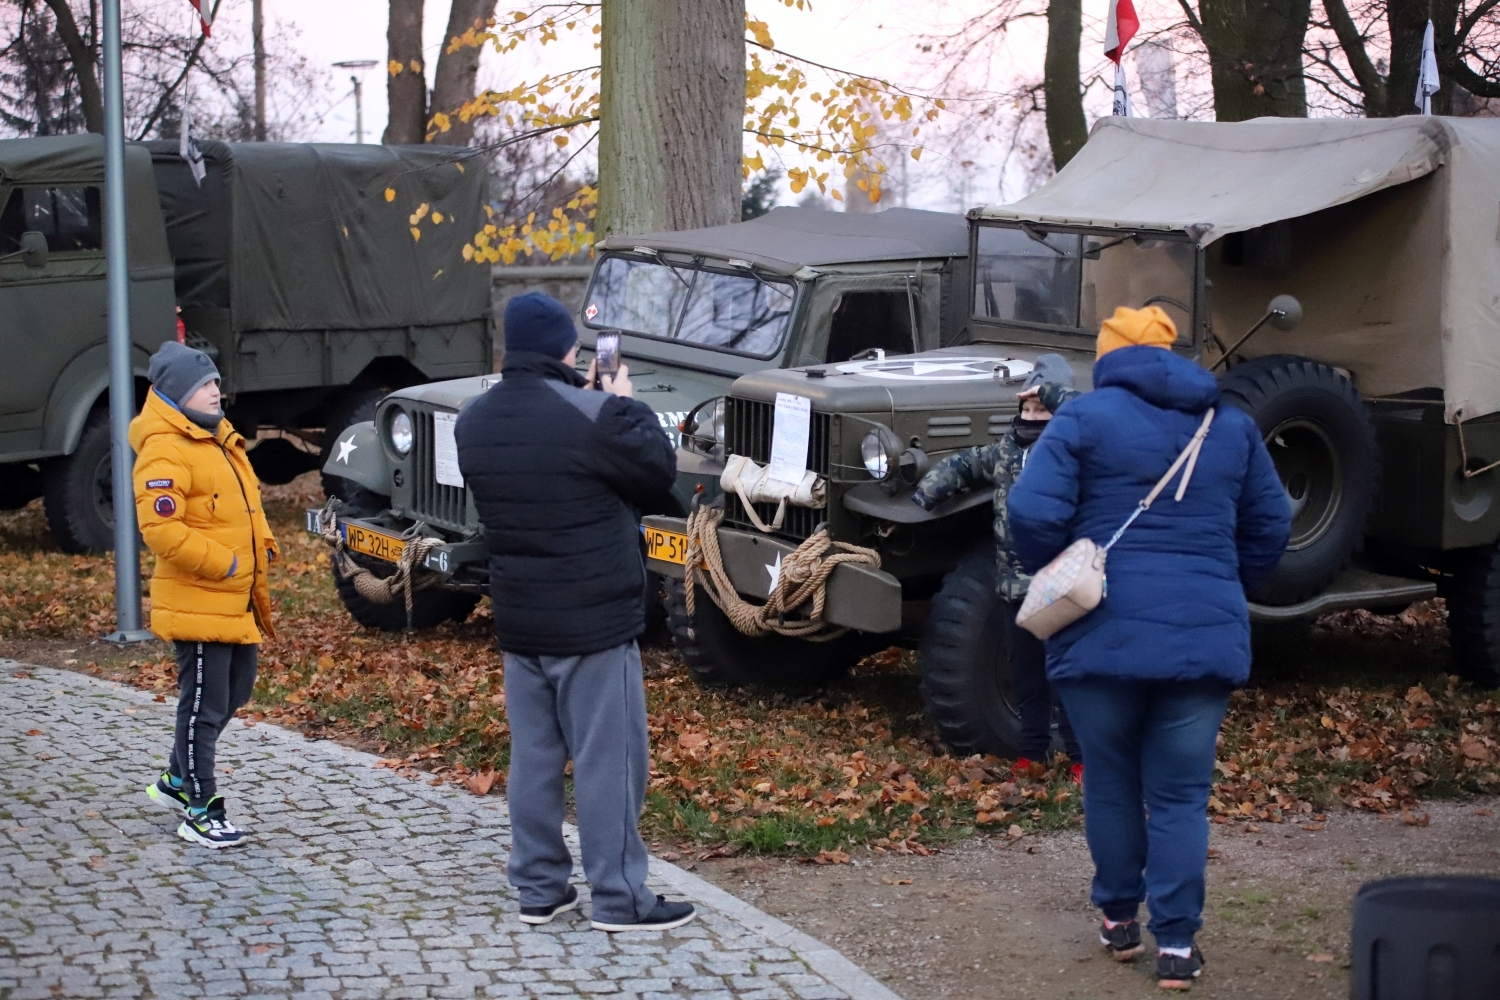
[[198, 504]]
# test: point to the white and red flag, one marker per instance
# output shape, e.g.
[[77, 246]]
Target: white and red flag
[[198, 6], [1123, 24]]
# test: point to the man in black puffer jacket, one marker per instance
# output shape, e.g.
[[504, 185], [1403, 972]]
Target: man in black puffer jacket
[[560, 474]]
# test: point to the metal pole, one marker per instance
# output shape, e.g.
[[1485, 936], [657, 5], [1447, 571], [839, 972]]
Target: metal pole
[[121, 377], [359, 111]]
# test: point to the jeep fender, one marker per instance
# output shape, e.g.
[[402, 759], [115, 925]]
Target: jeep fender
[[84, 382], [357, 456]]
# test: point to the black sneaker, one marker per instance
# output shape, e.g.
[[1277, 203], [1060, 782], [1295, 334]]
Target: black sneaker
[[163, 793], [211, 828], [1123, 939], [1173, 972], [544, 914], [663, 917]]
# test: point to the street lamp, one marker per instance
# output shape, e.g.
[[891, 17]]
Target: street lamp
[[359, 92]]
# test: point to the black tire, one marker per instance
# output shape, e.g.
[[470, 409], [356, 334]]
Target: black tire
[[430, 608], [277, 461], [356, 407], [77, 492], [656, 608], [1323, 443], [1474, 618], [720, 656], [965, 663], [19, 485]]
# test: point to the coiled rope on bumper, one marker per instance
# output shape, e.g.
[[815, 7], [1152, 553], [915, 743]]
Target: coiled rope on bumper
[[804, 578], [410, 576]]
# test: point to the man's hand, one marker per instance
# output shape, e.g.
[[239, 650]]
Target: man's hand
[[619, 383]]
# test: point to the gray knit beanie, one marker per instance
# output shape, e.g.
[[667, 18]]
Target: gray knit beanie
[[177, 371]]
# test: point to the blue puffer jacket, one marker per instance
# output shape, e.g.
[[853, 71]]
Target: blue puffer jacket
[[1177, 579]]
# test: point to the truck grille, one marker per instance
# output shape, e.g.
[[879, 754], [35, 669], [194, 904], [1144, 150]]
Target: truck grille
[[443, 506], [747, 431]]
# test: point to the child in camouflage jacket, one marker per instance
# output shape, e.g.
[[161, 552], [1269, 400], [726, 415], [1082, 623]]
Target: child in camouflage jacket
[[997, 465]]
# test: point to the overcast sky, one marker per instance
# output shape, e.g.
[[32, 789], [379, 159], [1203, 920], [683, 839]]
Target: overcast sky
[[873, 37]]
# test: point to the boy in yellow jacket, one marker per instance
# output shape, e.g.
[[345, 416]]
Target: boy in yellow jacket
[[198, 504]]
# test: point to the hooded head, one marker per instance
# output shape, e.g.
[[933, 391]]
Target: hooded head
[[1148, 327], [177, 371], [540, 324]]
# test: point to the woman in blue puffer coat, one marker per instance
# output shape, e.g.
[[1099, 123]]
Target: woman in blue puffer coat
[[1146, 676]]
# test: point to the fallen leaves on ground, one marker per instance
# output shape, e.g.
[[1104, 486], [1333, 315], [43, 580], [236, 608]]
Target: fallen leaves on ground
[[812, 776]]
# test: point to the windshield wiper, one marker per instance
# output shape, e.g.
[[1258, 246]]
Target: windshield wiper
[[1094, 252], [1041, 238]]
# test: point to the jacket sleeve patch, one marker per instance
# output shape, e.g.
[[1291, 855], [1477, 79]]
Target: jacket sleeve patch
[[164, 506], [158, 484]]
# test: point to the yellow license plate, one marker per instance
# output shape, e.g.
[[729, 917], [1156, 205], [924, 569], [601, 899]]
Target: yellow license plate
[[666, 546], [373, 543]]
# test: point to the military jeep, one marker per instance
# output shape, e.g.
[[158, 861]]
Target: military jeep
[[696, 310], [1380, 407]]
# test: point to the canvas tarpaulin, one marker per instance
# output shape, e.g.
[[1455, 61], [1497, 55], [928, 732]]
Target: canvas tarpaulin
[[316, 244], [1211, 179], [786, 239]]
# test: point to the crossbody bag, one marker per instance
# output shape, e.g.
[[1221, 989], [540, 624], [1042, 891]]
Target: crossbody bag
[[1074, 583]]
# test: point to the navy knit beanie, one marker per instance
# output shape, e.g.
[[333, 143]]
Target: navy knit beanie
[[539, 323], [178, 371]]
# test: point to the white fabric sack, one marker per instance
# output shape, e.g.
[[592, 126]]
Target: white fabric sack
[[753, 484]]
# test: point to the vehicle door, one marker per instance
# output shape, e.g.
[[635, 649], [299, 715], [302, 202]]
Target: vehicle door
[[49, 314], [848, 315]]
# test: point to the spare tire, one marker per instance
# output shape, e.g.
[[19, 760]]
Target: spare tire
[[1323, 443]]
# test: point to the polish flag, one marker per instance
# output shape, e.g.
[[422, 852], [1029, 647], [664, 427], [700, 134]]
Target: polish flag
[[1123, 24], [198, 6]]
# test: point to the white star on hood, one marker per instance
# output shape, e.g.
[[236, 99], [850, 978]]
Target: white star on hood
[[346, 448], [775, 570]]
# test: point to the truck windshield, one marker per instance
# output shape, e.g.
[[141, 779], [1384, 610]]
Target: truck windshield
[[694, 304], [1072, 281]]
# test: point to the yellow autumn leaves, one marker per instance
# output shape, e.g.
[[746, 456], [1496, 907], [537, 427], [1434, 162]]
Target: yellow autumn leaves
[[556, 237]]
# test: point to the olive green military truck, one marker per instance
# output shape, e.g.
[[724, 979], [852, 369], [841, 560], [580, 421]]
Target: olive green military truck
[[1381, 408], [291, 266], [697, 309]]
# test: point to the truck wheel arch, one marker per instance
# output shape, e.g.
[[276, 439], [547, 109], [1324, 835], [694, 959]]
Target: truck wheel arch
[[79, 390]]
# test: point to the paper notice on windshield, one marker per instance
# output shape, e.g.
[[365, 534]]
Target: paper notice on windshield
[[789, 437], [445, 450]]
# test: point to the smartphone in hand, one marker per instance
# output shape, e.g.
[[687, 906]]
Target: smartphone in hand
[[606, 357]]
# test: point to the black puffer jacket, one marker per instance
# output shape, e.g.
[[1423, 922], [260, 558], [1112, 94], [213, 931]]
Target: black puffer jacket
[[560, 476]]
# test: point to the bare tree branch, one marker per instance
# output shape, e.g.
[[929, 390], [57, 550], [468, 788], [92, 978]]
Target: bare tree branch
[[84, 63], [1353, 45]]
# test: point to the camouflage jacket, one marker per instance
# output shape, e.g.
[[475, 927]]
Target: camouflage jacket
[[996, 465]]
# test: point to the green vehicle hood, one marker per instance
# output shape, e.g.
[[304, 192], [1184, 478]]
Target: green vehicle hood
[[953, 377]]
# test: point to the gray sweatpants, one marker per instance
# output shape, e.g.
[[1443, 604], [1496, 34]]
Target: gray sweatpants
[[591, 708]]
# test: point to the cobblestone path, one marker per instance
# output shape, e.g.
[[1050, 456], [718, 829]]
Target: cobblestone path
[[359, 882]]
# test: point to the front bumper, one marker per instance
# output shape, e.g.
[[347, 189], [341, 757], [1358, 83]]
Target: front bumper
[[859, 597], [445, 559]]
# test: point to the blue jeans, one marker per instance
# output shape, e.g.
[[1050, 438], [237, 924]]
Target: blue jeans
[[1150, 752]]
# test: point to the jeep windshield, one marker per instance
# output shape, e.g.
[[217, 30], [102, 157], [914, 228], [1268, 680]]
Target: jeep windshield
[[737, 310], [1050, 278]]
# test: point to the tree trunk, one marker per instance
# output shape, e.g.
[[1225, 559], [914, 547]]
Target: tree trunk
[[672, 107], [406, 86], [258, 41], [1255, 54], [85, 65], [1067, 129], [453, 85]]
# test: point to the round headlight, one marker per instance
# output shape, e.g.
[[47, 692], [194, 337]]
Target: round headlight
[[703, 430], [401, 433], [873, 449]]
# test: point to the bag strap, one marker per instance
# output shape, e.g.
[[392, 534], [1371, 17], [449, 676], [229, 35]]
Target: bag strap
[[1190, 456]]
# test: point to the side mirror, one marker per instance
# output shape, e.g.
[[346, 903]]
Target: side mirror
[[1285, 312], [34, 249]]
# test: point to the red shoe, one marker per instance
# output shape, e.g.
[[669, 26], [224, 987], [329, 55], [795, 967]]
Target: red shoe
[[1021, 767], [1076, 771]]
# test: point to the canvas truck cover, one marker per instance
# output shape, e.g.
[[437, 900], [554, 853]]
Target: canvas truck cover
[[316, 244], [785, 240], [1215, 178]]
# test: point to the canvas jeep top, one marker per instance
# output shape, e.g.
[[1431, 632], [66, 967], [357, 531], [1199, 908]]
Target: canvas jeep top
[[1380, 407]]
